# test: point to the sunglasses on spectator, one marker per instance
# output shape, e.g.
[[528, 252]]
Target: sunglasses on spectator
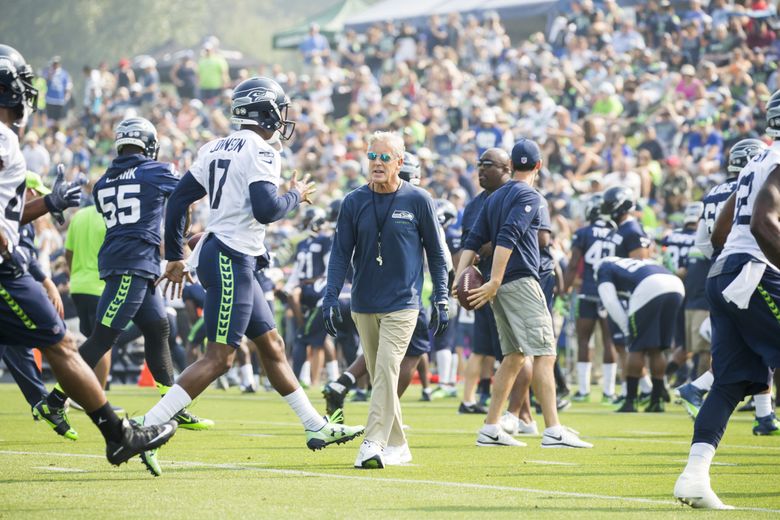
[[485, 163], [384, 157]]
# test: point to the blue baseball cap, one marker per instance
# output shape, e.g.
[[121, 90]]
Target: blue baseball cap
[[525, 155]]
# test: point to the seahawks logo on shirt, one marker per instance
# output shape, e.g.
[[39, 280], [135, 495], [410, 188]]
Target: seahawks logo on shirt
[[403, 215]]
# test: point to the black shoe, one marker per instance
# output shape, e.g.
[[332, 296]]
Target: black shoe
[[750, 406], [472, 408], [562, 392], [334, 394], [56, 418], [629, 406], [137, 439], [655, 407]]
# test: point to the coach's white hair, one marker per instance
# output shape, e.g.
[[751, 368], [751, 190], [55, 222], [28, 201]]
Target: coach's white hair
[[393, 140]]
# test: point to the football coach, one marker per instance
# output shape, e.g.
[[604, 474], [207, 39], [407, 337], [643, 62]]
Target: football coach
[[382, 230]]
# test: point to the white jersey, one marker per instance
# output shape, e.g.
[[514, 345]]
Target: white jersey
[[225, 168], [13, 176], [749, 183]]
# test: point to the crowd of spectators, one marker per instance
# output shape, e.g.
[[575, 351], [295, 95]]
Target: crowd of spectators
[[651, 97]]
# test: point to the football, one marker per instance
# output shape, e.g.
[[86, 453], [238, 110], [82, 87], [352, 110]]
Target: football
[[469, 279], [193, 240]]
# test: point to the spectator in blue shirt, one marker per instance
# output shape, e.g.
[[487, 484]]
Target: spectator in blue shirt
[[58, 89], [314, 44]]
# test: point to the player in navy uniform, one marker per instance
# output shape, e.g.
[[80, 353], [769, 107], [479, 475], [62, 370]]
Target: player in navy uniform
[[630, 241], [655, 299], [510, 220], [692, 394], [743, 289], [676, 249], [589, 245], [494, 170], [241, 175], [27, 317]]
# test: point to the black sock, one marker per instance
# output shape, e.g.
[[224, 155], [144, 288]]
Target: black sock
[[108, 422], [346, 381], [632, 388], [157, 352], [671, 368], [658, 390], [484, 386], [56, 398]]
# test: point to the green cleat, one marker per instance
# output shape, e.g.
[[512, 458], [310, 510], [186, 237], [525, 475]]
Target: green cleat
[[57, 418], [332, 433], [190, 421], [149, 458]]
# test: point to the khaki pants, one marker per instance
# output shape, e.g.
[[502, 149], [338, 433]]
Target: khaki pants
[[385, 338]]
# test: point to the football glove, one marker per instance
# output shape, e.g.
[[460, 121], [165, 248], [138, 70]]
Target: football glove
[[440, 318]]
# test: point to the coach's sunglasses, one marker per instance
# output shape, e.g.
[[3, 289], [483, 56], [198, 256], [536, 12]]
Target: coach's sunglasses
[[384, 157]]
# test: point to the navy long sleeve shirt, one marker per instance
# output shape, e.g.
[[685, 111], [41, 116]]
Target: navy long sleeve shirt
[[510, 218], [410, 227]]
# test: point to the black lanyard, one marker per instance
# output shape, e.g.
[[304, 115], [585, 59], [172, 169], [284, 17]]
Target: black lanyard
[[381, 225]]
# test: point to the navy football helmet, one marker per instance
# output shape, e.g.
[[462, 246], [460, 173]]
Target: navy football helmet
[[137, 131], [313, 218], [593, 207], [16, 83], [410, 169], [445, 212], [333, 209], [742, 152], [618, 201], [773, 115], [262, 102]]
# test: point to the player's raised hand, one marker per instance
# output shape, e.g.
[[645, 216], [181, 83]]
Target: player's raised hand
[[174, 276], [304, 186]]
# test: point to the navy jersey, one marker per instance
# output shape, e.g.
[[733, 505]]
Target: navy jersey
[[593, 241], [629, 236], [626, 273], [713, 204], [510, 218], [695, 280], [195, 293], [453, 237], [130, 196], [470, 214], [546, 261], [676, 246], [311, 257]]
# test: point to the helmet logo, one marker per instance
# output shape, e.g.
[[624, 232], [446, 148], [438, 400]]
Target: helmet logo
[[261, 94]]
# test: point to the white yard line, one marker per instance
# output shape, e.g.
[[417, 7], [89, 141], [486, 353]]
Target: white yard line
[[416, 482], [61, 470]]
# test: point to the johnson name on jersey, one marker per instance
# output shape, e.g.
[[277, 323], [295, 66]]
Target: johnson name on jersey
[[225, 168]]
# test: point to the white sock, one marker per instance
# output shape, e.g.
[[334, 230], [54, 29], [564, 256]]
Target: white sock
[[700, 458], [608, 373], [247, 375], [763, 404], [454, 370], [624, 389], [645, 384], [302, 407], [554, 430], [490, 429], [174, 400], [443, 365], [305, 376], [351, 377], [704, 381], [332, 369], [583, 376]]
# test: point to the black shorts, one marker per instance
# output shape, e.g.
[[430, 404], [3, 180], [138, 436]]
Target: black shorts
[[27, 317], [420, 343], [86, 309], [654, 324], [486, 340], [587, 308]]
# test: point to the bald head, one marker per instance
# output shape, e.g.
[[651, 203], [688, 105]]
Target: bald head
[[494, 168]]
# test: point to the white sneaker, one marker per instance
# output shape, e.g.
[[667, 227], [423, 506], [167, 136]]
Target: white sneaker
[[370, 456], [695, 491], [397, 455], [501, 438], [524, 428], [566, 439]]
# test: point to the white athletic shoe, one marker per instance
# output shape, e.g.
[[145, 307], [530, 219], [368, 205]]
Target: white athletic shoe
[[370, 456], [397, 455], [501, 438], [567, 439], [509, 423], [695, 491], [524, 428]]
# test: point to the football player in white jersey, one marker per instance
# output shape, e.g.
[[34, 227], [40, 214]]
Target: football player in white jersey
[[743, 288], [27, 317], [240, 174]]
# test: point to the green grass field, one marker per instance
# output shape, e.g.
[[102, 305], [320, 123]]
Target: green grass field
[[254, 464]]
